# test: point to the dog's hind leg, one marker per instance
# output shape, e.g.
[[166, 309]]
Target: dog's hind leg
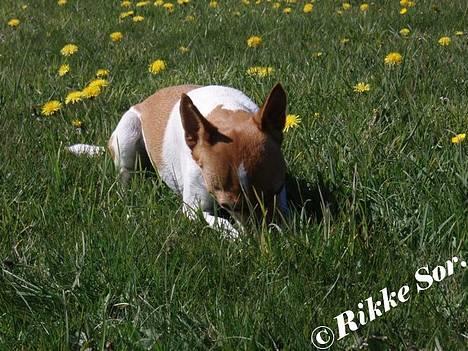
[[126, 144]]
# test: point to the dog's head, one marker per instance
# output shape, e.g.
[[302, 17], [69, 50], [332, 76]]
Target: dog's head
[[239, 152]]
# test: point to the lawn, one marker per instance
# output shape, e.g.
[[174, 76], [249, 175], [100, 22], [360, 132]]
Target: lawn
[[381, 93]]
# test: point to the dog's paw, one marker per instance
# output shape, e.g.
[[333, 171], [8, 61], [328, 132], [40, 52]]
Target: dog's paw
[[221, 224]]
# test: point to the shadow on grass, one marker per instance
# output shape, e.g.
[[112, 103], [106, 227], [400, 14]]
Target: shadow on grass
[[311, 197]]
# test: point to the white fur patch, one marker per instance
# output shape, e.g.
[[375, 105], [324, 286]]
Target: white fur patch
[[207, 98], [125, 139]]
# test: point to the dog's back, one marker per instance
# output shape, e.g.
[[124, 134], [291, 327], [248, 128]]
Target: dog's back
[[154, 114]]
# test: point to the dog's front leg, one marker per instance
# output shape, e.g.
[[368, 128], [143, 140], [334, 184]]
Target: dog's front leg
[[217, 223], [221, 224], [196, 197]]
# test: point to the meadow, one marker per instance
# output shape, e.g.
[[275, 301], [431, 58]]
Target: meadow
[[377, 101]]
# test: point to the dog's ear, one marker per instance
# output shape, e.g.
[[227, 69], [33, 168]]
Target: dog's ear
[[198, 130], [272, 115]]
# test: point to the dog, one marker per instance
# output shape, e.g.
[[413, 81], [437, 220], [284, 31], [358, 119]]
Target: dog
[[212, 145]]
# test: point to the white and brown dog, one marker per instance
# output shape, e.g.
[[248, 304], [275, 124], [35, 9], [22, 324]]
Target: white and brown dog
[[209, 144]]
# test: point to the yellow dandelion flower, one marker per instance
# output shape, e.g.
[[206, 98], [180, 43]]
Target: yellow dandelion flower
[[246, 2], [213, 4], [69, 50], [189, 18], [344, 41], [361, 88], [159, 3], [73, 97], [292, 121], [403, 11], [76, 123], [63, 69], [393, 58], [260, 71], [287, 10], [98, 83], [50, 107], [116, 36], [364, 7], [276, 5], [404, 32], [457, 139], [444, 41], [61, 2], [308, 8], [24, 7], [236, 13], [183, 2], [157, 66], [407, 3], [254, 41], [101, 73], [138, 18], [91, 91], [346, 6], [126, 3], [459, 33], [184, 49], [14, 22], [126, 14], [169, 7], [142, 3]]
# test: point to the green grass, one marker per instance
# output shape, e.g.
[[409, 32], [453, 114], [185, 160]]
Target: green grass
[[87, 263]]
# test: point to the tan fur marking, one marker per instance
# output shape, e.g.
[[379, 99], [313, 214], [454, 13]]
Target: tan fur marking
[[241, 127], [258, 153], [155, 111], [223, 118]]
